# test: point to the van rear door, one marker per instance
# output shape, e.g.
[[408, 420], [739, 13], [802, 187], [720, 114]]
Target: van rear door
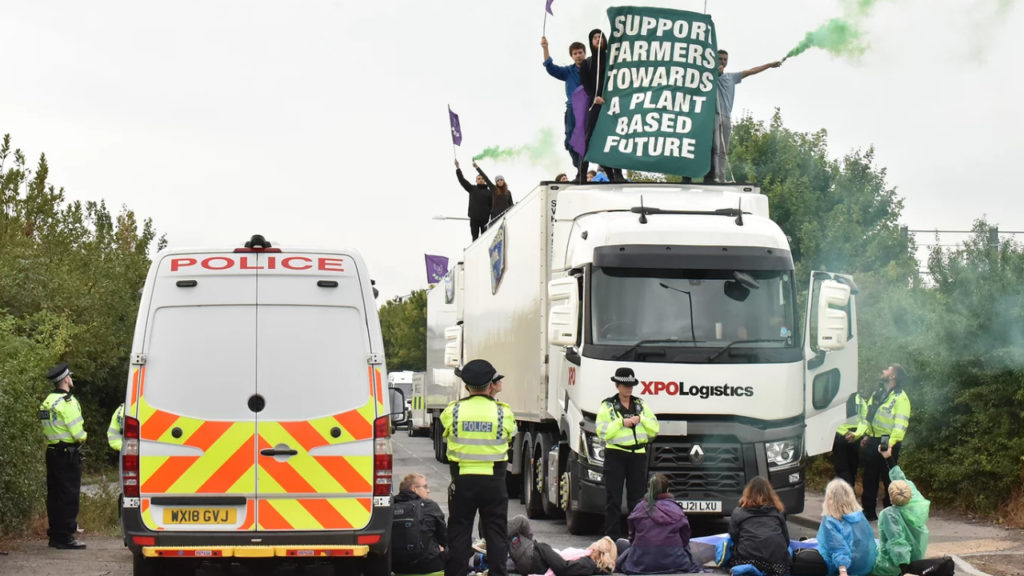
[[316, 374], [190, 393]]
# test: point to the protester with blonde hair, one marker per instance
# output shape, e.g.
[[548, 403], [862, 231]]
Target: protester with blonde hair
[[845, 539], [532, 557]]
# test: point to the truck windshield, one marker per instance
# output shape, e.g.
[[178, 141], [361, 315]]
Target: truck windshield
[[692, 309]]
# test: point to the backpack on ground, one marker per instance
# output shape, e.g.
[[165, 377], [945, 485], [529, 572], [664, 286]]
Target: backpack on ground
[[407, 544]]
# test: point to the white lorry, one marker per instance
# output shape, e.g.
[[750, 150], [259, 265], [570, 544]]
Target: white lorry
[[692, 287]]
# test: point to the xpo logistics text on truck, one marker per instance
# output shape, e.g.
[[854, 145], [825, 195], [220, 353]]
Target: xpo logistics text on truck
[[693, 288], [257, 422]]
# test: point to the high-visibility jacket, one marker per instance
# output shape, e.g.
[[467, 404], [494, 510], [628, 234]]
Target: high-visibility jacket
[[116, 428], [478, 430], [616, 436], [61, 417], [892, 416], [857, 425]]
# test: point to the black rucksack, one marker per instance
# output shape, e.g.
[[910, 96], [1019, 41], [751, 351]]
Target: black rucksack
[[407, 544], [930, 567]]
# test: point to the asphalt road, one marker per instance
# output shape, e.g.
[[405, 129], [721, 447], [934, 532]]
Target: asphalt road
[[107, 556]]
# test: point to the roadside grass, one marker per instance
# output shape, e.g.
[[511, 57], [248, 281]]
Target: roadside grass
[[1013, 511], [98, 511]]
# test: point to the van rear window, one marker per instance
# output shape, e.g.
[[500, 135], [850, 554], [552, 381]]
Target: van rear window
[[201, 361], [311, 360]]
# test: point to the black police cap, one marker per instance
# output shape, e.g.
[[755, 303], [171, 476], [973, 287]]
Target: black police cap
[[58, 373], [625, 377], [479, 373]]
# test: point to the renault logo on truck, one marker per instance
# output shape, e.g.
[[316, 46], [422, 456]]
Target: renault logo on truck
[[657, 387]]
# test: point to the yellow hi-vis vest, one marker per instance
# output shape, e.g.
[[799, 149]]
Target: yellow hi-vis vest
[[892, 417], [619, 437], [61, 417], [857, 425], [116, 428], [479, 430]]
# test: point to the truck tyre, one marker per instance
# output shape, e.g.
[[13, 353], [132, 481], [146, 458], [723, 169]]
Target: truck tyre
[[531, 496], [545, 441], [577, 522]]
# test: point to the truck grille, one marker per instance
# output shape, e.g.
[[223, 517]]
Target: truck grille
[[720, 471]]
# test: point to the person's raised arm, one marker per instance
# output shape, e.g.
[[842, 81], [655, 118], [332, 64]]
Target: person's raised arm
[[462, 180], [544, 45], [480, 171], [761, 68]]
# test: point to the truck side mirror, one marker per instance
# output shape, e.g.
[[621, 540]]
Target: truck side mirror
[[833, 321], [453, 346], [564, 311], [398, 415]]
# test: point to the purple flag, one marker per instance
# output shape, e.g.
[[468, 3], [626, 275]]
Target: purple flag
[[456, 133], [578, 138], [437, 267], [548, 7]]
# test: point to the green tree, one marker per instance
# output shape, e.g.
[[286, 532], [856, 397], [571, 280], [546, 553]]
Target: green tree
[[403, 322], [70, 275]]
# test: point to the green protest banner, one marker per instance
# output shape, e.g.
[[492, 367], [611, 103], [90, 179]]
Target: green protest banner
[[660, 92]]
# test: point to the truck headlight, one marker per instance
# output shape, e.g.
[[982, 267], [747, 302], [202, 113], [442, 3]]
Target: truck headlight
[[593, 447], [782, 453]]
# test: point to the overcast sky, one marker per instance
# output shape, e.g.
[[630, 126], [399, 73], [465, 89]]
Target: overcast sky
[[324, 123]]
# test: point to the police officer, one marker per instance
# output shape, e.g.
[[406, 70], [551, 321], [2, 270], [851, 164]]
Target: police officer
[[846, 444], [115, 431], [888, 414], [478, 429], [626, 425], [61, 418]]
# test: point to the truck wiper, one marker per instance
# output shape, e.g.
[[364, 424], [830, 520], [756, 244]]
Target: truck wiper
[[648, 342], [725, 348]]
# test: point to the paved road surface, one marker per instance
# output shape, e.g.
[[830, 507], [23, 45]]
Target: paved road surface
[[108, 557]]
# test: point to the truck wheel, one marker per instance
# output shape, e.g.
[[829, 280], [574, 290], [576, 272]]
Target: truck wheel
[[531, 497], [544, 443], [578, 523]]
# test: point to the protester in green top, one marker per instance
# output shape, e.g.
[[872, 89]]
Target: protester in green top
[[902, 527]]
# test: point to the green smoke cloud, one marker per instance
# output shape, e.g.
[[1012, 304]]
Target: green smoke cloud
[[838, 36], [541, 151]]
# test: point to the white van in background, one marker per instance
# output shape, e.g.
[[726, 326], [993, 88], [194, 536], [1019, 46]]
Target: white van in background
[[257, 424]]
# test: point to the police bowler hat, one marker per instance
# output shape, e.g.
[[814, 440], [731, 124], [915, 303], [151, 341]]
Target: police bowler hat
[[625, 377], [58, 373], [478, 373]]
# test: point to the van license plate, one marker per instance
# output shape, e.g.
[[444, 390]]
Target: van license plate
[[199, 516], [698, 506]]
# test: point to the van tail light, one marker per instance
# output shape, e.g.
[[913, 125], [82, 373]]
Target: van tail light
[[130, 458], [382, 456]]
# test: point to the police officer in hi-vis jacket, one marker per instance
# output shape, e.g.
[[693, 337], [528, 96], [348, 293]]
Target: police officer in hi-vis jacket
[[626, 425], [61, 418], [478, 429]]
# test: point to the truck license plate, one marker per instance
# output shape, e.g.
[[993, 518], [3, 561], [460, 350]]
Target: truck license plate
[[699, 506], [199, 515]]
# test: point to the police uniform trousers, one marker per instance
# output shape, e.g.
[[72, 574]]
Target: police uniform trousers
[[846, 458], [63, 487], [489, 495], [622, 467], [875, 469]]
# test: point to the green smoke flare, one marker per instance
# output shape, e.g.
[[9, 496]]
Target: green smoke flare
[[838, 36], [539, 152]]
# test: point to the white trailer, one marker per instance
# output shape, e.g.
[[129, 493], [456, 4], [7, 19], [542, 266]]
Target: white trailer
[[444, 313], [691, 286]]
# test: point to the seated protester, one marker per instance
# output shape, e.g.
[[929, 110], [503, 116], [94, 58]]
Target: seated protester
[[419, 534], [532, 557], [758, 530], [845, 539], [902, 527], [660, 534]]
